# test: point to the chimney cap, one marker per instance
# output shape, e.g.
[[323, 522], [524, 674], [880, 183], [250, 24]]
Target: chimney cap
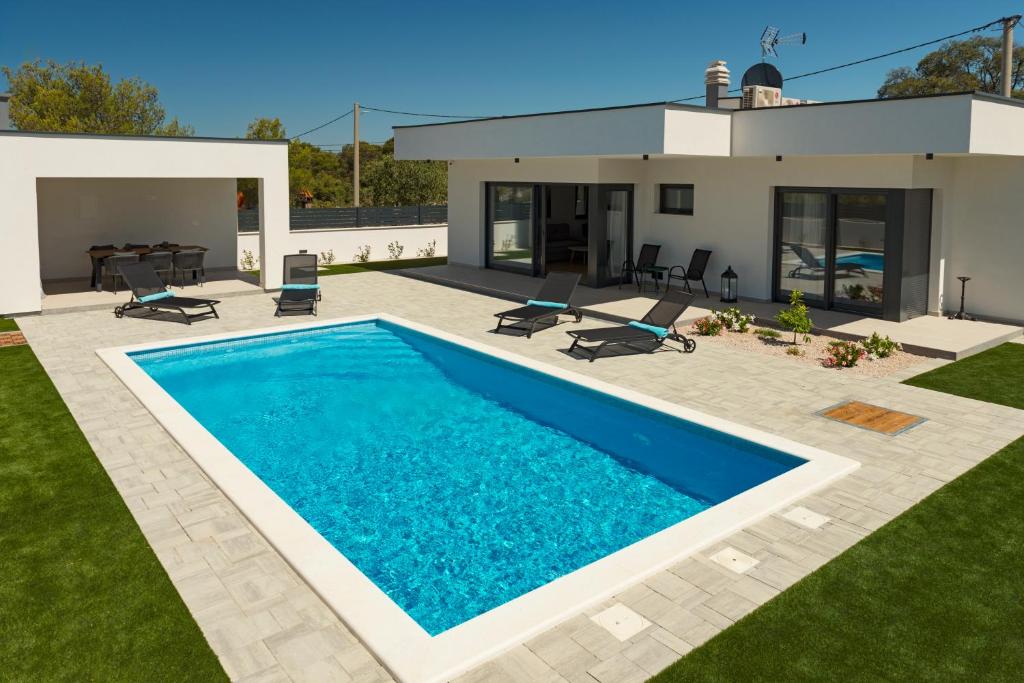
[[716, 73]]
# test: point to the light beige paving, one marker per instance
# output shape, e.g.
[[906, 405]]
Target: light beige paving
[[265, 624], [935, 335]]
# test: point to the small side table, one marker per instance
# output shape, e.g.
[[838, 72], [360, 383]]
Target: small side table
[[656, 273], [577, 250]]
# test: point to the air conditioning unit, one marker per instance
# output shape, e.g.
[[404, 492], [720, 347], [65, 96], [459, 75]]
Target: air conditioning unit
[[795, 101], [758, 96]]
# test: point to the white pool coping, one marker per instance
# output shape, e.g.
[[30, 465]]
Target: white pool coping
[[402, 646]]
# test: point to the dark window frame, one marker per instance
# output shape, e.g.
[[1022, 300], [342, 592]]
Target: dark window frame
[[682, 211]]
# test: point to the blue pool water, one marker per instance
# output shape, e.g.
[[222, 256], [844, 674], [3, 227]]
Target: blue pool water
[[866, 260], [454, 481]]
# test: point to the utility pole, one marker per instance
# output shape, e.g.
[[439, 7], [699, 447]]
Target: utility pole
[[355, 155], [1007, 80]]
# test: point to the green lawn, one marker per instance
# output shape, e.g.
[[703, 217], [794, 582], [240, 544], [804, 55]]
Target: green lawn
[[933, 595], [7, 325], [996, 376], [348, 268], [82, 596]]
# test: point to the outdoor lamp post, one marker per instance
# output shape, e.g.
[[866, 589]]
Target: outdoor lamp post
[[729, 286]]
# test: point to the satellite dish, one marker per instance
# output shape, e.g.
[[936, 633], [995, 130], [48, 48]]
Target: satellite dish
[[762, 74]]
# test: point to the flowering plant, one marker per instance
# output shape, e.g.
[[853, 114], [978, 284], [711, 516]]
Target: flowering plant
[[843, 354], [709, 326], [733, 320]]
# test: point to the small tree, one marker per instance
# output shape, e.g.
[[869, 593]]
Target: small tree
[[795, 318], [265, 129]]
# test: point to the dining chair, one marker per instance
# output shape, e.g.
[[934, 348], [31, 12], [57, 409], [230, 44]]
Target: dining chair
[[162, 262], [112, 265], [192, 262]]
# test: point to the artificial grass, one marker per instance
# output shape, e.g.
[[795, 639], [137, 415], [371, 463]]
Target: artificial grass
[[996, 376], [82, 596], [349, 268], [8, 325], [934, 595]]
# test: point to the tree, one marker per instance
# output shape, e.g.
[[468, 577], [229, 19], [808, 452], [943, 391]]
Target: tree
[[957, 66], [395, 183], [327, 176], [79, 98], [266, 129]]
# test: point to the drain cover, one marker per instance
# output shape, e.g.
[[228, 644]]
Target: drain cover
[[875, 418]]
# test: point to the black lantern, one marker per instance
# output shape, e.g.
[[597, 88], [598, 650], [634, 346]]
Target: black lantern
[[729, 286]]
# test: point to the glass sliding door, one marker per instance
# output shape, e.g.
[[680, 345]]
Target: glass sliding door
[[512, 227], [801, 245], [610, 235], [859, 264]]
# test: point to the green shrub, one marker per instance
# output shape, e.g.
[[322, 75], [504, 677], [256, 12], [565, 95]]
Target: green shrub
[[363, 255], [767, 333], [734, 320], [795, 318], [843, 354], [795, 351], [395, 250], [878, 346], [708, 327]]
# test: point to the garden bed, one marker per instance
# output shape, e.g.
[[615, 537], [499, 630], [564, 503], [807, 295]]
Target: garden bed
[[814, 352]]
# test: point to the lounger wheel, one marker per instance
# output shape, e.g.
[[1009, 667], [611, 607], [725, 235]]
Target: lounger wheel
[[119, 311], [689, 345]]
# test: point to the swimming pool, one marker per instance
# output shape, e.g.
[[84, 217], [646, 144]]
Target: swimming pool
[[455, 482]]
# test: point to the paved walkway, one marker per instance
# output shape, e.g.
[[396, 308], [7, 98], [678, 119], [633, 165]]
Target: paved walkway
[[927, 334], [265, 624]]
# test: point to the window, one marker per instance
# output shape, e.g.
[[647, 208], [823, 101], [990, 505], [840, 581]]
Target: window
[[676, 199]]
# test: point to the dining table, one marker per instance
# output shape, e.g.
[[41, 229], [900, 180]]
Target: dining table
[[97, 256]]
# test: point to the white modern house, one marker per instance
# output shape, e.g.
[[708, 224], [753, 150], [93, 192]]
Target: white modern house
[[61, 194], [872, 207]]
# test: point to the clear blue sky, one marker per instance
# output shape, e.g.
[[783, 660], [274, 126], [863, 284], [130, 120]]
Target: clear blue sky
[[218, 65]]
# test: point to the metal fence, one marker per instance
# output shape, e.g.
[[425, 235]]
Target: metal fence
[[351, 217]]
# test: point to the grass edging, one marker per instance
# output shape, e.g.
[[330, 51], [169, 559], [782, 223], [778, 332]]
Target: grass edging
[[932, 595], [83, 596]]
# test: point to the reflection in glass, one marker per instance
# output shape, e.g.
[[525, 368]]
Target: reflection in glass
[[512, 226], [860, 250], [802, 245], [617, 227]]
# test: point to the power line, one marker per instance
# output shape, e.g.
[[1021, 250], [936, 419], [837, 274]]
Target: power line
[[976, 29], [322, 125], [432, 116]]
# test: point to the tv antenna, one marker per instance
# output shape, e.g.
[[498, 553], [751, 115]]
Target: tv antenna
[[770, 39]]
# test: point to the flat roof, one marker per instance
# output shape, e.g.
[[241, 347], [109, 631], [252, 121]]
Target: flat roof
[[677, 105], [672, 105], [183, 138]]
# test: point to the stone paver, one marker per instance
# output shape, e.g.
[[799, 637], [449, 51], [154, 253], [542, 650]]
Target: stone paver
[[266, 624]]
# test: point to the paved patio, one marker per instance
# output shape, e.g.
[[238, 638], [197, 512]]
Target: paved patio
[[929, 335], [63, 296], [265, 624]]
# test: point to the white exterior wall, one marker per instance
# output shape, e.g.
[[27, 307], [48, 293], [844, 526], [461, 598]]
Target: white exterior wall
[[75, 213], [986, 241], [25, 158], [976, 217], [345, 242], [913, 126]]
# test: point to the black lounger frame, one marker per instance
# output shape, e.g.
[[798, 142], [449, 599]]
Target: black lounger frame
[[143, 281], [558, 287]]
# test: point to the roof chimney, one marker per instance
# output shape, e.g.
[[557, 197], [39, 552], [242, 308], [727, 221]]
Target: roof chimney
[[5, 122], [716, 83]]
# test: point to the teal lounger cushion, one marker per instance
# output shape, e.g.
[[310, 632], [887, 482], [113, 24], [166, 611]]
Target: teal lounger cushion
[[546, 304], [660, 331], [155, 297], [300, 286]]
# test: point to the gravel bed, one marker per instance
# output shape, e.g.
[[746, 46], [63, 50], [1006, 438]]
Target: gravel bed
[[814, 352]]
